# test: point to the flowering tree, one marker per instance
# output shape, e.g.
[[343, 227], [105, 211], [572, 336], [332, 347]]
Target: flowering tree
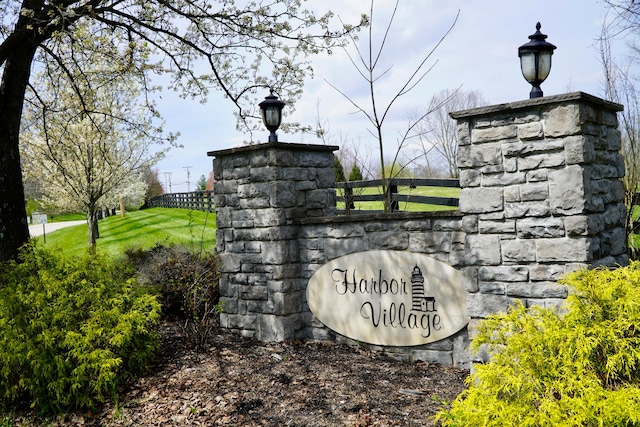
[[245, 47], [90, 150]]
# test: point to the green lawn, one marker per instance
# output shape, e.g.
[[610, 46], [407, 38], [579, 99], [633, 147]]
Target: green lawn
[[407, 207], [145, 228], [67, 217], [140, 229]]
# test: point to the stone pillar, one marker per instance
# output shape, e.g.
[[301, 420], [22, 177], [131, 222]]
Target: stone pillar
[[541, 195], [261, 193]]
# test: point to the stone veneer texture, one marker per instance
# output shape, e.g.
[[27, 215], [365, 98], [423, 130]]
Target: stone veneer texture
[[541, 195]]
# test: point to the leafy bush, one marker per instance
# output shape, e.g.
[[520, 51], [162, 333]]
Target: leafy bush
[[70, 330], [188, 286], [580, 367]]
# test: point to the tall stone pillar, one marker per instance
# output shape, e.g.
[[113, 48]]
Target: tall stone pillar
[[261, 193], [541, 195]]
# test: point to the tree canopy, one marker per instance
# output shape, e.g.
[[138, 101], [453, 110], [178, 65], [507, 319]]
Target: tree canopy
[[621, 85], [201, 184], [356, 173], [234, 47], [339, 169], [91, 150]]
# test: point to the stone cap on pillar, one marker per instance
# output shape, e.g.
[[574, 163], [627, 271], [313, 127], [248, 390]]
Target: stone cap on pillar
[[279, 145], [535, 102]]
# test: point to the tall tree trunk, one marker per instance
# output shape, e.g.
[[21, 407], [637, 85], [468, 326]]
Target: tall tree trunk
[[14, 231], [94, 232]]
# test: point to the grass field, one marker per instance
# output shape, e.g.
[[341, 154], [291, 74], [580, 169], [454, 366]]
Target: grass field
[[67, 217], [140, 229], [146, 228], [407, 207]]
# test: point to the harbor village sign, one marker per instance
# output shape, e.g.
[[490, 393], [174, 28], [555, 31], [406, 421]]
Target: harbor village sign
[[390, 298], [541, 195]]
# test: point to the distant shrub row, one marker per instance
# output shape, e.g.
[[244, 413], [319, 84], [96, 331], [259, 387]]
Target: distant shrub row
[[578, 367]]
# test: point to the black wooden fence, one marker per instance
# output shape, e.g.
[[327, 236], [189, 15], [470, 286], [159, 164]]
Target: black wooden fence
[[196, 200], [203, 200], [345, 193]]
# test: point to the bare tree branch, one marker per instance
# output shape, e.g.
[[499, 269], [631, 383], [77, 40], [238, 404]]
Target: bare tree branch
[[366, 66]]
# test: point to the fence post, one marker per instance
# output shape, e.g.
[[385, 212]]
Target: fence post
[[392, 202], [348, 198]]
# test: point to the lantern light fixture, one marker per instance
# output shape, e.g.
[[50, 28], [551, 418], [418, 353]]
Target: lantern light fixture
[[272, 114], [535, 61]]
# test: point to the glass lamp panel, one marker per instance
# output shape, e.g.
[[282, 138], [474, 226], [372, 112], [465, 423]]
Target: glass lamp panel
[[271, 117], [528, 66], [544, 65]]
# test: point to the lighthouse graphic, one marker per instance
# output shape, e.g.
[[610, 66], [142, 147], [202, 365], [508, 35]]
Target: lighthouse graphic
[[420, 301]]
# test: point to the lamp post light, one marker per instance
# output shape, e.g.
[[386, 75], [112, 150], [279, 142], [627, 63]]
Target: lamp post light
[[535, 61], [272, 114]]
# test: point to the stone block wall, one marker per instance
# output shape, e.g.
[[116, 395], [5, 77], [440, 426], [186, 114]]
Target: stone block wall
[[437, 234], [261, 193], [541, 195]]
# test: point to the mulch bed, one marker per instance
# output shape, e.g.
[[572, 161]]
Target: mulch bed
[[237, 381]]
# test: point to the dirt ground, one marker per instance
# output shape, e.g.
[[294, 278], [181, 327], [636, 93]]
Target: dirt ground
[[242, 382]]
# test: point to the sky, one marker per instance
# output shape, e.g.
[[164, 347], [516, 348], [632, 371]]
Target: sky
[[479, 54]]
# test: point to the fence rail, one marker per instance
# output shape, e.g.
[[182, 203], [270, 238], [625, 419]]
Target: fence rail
[[196, 200], [203, 200], [393, 196]]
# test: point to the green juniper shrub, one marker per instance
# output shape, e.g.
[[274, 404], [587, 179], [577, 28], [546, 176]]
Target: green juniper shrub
[[71, 330], [578, 366], [188, 286]]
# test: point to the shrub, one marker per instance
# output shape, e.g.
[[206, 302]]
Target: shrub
[[187, 283], [580, 367], [70, 330]]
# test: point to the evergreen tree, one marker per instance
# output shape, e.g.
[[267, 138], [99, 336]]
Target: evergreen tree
[[201, 185], [337, 166], [356, 173]]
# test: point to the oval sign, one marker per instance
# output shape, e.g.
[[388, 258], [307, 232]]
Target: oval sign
[[389, 298]]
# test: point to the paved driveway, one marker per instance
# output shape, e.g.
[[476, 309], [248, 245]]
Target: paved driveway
[[36, 229]]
